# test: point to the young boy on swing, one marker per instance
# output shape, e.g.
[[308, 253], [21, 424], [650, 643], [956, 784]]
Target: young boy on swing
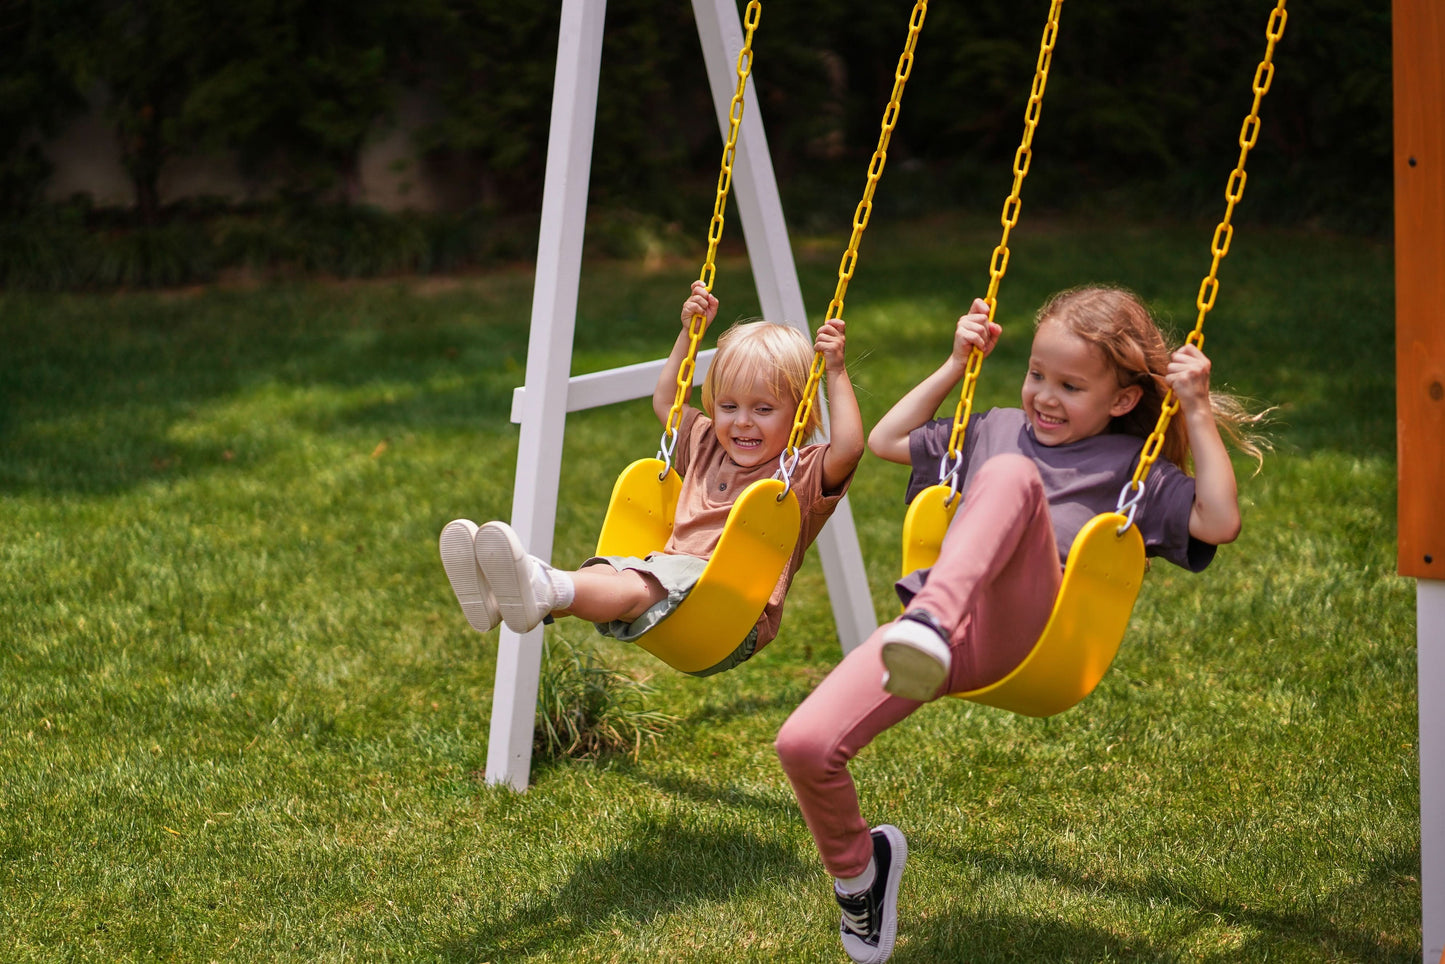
[[750, 397]]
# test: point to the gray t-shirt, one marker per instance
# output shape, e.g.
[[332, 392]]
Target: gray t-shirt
[[1081, 480]]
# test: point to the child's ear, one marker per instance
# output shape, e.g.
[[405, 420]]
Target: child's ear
[[1125, 401]]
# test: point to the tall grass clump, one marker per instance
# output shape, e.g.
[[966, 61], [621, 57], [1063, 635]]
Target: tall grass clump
[[587, 710]]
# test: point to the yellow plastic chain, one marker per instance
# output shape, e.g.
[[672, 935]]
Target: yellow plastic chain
[[1219, 246], [998, 264], [860, 220], [715, 229]]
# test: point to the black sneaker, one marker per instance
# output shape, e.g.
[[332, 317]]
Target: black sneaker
[[870, 919]]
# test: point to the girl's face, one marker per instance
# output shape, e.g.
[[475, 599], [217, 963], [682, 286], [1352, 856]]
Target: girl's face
[[1071, 392], [752, 423]]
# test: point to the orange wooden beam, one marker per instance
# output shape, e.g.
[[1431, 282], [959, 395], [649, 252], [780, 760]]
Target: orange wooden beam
[[1419, 74]]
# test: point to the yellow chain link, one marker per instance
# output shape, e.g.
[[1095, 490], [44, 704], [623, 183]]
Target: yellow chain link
[[998, 264], [1223, 234], [715, 229], [860, 219]]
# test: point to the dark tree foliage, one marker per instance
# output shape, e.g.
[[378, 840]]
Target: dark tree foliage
[[36, 95], [146, 56], [304, 83], [1143, 105]]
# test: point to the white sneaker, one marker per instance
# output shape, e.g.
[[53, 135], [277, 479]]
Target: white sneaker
[[519, 582], [915, 657], [460, 561]]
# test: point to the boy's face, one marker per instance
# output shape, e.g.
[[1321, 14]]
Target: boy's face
[[752, 423], [1071, 392]]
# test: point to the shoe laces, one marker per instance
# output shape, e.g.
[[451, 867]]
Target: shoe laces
[[857, 912]]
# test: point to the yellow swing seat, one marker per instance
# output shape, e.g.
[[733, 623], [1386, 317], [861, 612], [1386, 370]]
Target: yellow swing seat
[[1091, 613], [755, 546]]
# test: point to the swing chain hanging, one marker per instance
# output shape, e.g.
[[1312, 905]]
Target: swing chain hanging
[[698, 324], [998, 263], [860, 221], [1219, 247]]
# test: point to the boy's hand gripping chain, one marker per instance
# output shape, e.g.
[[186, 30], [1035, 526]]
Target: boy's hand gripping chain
[[1133, 490], [998, 264], [788, 461], [714, 234]]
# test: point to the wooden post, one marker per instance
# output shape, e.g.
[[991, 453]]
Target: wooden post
[[1419, 27], [1419, 76]]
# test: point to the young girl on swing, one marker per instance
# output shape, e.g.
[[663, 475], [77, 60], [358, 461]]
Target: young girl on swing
[[1032, 476], [751, 396]]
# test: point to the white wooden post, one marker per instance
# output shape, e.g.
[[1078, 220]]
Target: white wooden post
[[1430, 629], [549, 360]]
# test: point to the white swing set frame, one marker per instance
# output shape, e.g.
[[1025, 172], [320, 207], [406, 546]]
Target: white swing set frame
[[542, 404]]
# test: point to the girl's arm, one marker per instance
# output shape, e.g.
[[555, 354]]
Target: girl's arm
[[1215, 516], [845, 422], [889, 438], [700, 302]]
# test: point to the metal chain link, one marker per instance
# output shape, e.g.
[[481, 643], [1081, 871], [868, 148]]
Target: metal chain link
[[998, 263], [860, 221], [698, 322], [1219, 247]]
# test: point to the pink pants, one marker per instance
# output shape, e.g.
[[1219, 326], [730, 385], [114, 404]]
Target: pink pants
[[993, 586]]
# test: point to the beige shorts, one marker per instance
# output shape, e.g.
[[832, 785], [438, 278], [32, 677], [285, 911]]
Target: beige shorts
[[677, 574]]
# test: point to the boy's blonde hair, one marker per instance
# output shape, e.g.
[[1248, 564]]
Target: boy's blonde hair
[[1117, 322], [779, 356]]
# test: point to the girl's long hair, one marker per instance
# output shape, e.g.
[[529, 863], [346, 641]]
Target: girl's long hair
[[1117, 322]]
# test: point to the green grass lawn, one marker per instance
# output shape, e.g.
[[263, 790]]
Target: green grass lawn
[[244, 719]]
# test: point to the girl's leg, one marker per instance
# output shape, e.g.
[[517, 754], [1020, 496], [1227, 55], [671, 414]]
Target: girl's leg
[[837, 720], [992, 588]]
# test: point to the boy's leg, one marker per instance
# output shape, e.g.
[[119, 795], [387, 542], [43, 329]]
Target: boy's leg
[[527, 590], [603, 594]]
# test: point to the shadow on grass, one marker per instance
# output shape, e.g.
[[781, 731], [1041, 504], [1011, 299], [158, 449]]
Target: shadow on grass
[[663, 867], [1308, 933], [101, 395]]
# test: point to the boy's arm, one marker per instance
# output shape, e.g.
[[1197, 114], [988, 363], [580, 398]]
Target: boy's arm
[[700, 302], [889, 438], [1215, 516], [845, 422]]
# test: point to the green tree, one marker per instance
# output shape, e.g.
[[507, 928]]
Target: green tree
[[36, 95], [146, 56], [306, 82]]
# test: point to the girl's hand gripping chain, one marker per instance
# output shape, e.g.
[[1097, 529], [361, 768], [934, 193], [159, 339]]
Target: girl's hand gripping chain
[[1215, 517], [974, 330]]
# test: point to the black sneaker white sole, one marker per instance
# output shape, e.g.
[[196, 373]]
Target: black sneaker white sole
[[869, 925]]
